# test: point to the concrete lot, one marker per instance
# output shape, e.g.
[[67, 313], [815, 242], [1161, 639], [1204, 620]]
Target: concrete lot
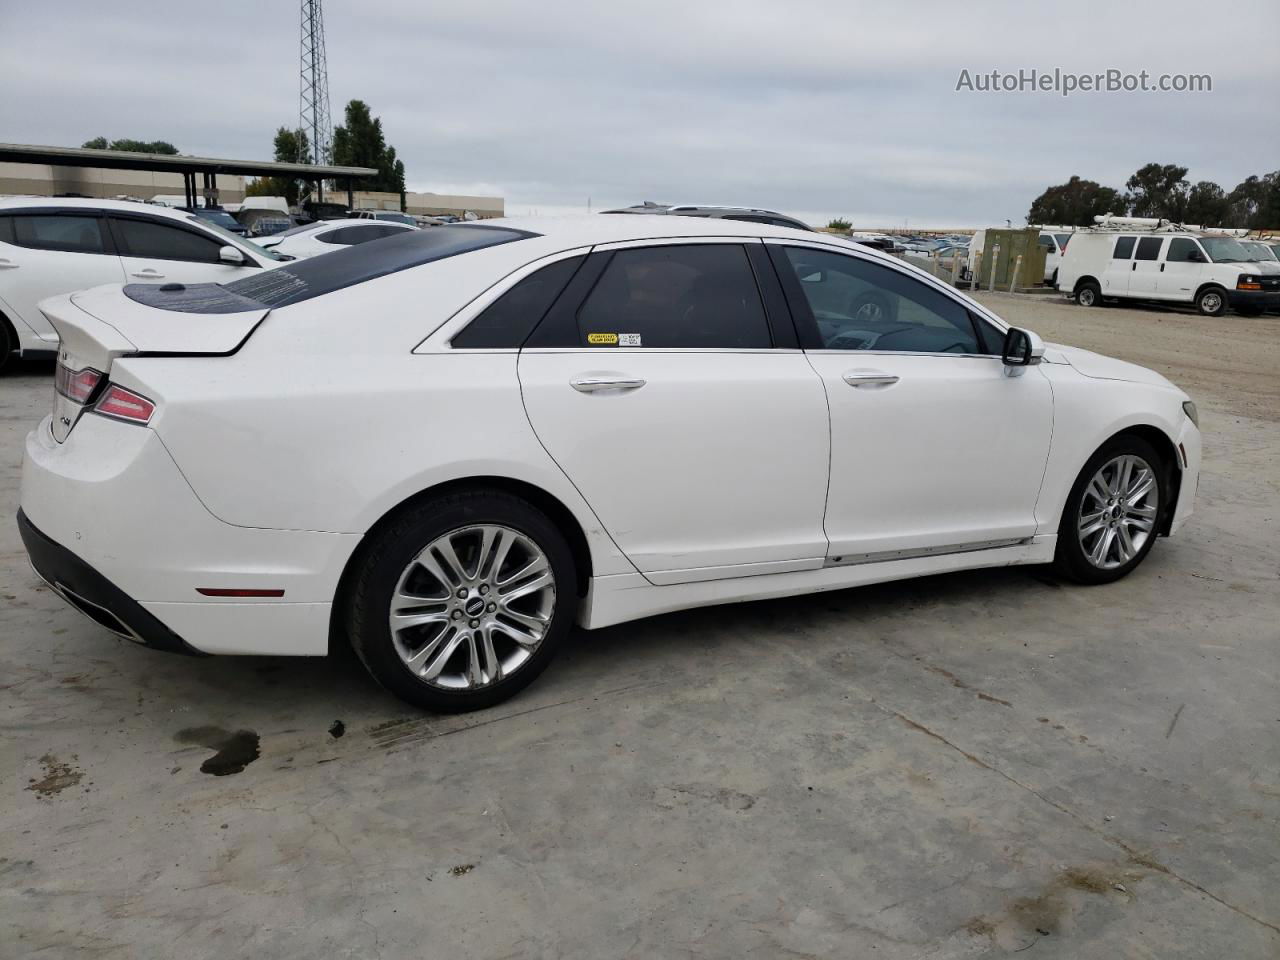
[[962, 766]]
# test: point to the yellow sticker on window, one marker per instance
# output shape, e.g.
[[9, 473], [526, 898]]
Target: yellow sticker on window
[[610, 339]]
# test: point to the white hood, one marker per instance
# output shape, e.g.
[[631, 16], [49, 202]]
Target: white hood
[[1101, 367]]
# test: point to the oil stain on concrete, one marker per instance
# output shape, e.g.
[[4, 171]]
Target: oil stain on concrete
[[58, 776], [235, 751]]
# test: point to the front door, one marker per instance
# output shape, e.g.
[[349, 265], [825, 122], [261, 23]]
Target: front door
[[934, 448], [1183, 266], [699, 441], [157, 251]]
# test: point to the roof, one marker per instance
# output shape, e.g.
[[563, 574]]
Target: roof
[[92, 203], [127, 160], [583, 230]]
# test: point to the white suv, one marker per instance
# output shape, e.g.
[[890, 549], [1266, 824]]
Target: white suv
[[1153, 260], [57, 245]]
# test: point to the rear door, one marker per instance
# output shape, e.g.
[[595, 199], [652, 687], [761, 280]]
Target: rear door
[[47, 252], [154, 250], [1116, 273], [683, 410], [1144, 276]]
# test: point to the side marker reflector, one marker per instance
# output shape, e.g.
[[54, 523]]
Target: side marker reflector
[[235, 592]]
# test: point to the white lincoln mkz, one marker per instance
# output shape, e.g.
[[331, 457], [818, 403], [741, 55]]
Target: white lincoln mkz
[[452, 444]]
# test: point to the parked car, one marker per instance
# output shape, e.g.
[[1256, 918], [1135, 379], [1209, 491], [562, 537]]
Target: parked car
[[1141, 259], [221, 218], [391, 216], [1261, 253], [50, 246], [326, 236], [741, 214], [585, 420]]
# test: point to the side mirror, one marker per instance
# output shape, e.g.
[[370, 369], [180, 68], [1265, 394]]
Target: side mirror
[[1195, 256], [231, 255], [1022, 348]]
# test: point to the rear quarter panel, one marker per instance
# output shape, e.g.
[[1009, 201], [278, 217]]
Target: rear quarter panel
[[325, 419]]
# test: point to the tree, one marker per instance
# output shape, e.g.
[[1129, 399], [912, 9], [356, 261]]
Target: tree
[[1075, 203], [839, 223], [291, 146], [1159, 191], [360, 143], [1207, 205], [1255, 202], [134, 146]]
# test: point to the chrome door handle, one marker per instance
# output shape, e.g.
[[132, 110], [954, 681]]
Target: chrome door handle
[[597, 384], [868, 378], [148, 275]]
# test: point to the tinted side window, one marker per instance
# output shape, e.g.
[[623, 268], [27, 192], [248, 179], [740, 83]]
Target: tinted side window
[[6, 229], [508, 321], [1124, 248], [859, 305], [146, 238], [1181, 249], [1149, 248], [72, 234], [692, 296]]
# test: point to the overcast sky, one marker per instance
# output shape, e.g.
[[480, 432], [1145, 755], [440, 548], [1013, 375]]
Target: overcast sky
[[813, 108]]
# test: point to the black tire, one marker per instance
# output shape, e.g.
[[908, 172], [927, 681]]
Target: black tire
[[1089, 294], [1212, 301], [393, 547], [8, 343], [1070, 560], [1053, 279]]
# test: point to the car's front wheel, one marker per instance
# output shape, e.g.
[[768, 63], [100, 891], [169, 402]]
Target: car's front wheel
[[1112, 514], [1089, 294], [1212, 302], [462, 601]]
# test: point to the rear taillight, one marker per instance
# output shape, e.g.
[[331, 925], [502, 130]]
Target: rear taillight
[[76, 385], [122, 404]]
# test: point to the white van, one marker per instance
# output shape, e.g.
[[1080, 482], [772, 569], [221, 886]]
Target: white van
[[1053, 239], [1142, 259]]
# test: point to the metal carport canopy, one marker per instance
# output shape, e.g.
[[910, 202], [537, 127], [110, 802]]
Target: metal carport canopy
[[167, 163]]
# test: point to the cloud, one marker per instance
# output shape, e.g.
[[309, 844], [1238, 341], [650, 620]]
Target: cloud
[[815, 108]]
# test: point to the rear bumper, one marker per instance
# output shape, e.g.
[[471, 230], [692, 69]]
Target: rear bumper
[[113, 501], [93, 594]]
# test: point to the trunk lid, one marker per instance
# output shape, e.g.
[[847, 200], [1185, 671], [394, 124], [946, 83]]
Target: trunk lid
[[96, 326]]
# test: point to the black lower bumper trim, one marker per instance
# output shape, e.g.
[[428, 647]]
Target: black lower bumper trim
[[1253, 299], [94, 595]]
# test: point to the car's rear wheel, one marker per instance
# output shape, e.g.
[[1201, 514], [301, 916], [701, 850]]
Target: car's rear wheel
[[1089, 294], [1111, 519], [462, 601]]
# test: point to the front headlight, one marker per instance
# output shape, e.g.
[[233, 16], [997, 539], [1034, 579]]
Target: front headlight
[[1189, 409]]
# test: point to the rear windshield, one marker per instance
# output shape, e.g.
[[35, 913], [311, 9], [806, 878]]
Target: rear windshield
[[317, 276], [304, 279]]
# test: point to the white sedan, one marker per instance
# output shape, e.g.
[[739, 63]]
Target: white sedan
[[52, 245], [326, 236], [452, 444]]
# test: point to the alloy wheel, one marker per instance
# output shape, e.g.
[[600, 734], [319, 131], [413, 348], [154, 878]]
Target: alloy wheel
[[1118, 511], [472, 607]]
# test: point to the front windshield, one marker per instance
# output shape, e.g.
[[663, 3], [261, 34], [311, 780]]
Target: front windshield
[[1259, 251], [238, 241], [1225, 250]]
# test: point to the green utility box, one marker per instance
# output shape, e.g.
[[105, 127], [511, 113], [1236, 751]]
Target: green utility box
[[1012, 244]]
